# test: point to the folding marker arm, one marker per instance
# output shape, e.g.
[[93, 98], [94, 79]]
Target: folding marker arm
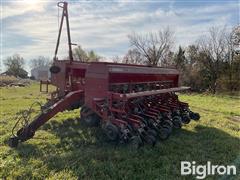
[[28, 131]]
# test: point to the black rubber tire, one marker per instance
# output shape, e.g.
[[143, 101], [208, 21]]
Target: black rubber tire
[[164, 133], [92, 120], [136, 142], [194, 116], [151, 140], [197, 116], [152, 132], [177, 124], [167, 122], [153, 125], [185, 119], [111, 132], [13, 142], [170, 129]]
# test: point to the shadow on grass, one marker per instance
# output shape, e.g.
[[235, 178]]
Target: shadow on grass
[[73, 133], [85, 153]]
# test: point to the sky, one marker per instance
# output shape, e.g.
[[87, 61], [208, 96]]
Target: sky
[[30, 27]]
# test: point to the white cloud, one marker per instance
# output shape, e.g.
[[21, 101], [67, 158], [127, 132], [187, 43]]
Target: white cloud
[[18, 8], [104, 26]]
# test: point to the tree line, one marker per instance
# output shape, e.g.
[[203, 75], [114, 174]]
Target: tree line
[[211, 64]]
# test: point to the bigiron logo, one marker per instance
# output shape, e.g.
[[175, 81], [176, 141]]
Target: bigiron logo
[[202, 171]]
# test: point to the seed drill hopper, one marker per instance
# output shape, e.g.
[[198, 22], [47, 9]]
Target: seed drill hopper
[[132, 103]]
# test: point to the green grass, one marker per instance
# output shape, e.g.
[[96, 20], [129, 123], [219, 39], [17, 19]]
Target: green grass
[[65, 149]]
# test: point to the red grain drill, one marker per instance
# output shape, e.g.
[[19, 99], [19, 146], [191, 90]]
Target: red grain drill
[[132, 103]]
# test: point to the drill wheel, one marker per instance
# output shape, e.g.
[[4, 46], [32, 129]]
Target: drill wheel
[[168, 124], [151, 140], [177, 123], [164, 133], [111, 131], [136, 142], [194, 116], [92, 120], [13, 142], [185, 119], [152, 133]]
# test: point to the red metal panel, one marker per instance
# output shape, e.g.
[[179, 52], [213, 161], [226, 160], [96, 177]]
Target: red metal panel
[[134, 78], [96, 85], [94, 78]]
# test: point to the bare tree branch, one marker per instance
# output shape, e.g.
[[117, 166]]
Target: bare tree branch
[[155, 47]]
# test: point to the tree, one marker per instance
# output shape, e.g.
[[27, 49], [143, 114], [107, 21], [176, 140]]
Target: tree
[[14, 65], [85, 56], [232, 65], [155, 47], [133, 56], [195, 74], [180, 59], [92, 56], [180, 62], [213, 49], [117, 59], [40, 61]]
